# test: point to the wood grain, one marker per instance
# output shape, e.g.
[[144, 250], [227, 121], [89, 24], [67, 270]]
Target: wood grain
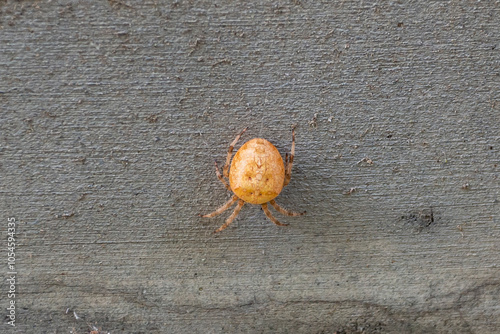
[[112, 114]]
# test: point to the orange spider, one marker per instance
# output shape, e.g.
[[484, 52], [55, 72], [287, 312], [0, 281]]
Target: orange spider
[[257, 176]]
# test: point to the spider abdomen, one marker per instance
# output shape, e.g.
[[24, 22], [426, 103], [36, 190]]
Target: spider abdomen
[[257, 172]]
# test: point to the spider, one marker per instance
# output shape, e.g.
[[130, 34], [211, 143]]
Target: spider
[[257, 175]]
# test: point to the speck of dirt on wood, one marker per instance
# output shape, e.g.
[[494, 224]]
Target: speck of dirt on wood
[[365, 162], [313, 123], [420, 220], [350, 191]]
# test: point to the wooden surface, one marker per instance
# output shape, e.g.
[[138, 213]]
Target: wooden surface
[[113, 112]]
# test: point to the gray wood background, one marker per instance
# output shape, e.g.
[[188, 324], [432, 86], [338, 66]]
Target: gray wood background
[[112, 113]]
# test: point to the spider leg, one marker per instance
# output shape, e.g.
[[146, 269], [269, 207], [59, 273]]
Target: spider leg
[[289, 160], [221, 209], [219, 176], [232, 216], [283, 211], [270, 216], [230, 153]]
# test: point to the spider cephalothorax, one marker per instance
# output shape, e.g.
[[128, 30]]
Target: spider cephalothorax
[[257, 175]]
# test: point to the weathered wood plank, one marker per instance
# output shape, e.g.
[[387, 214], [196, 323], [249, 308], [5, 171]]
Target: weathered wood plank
[[112, 114]]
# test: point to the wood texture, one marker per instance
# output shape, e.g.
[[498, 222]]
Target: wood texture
[[112, 114]]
